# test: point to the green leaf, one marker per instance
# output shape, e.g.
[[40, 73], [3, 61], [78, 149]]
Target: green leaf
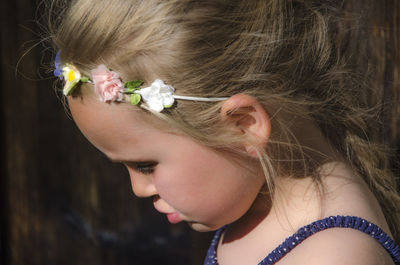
[[130, 90], [84, 79], [133, 85], [135, 99]]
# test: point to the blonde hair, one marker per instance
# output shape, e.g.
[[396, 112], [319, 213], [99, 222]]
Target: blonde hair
[[287, 54]]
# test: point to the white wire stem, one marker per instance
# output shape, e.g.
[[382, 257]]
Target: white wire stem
[[198, 98], [191, 98]]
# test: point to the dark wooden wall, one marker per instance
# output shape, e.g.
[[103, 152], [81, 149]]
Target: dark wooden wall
[[62, 202]]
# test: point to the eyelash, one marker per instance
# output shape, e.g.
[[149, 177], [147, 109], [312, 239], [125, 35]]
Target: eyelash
[[145, 167]]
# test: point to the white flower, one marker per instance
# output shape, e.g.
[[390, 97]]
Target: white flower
[[72, 77], [158, 96]]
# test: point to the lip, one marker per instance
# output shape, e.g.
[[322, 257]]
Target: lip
[[173, 217]]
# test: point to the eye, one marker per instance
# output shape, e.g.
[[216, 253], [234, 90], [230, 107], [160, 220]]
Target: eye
[[145, 167]]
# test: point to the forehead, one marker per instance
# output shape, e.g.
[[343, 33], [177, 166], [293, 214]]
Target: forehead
[[111, 126]]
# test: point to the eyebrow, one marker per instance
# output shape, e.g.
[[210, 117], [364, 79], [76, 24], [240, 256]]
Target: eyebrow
[[113, 160]]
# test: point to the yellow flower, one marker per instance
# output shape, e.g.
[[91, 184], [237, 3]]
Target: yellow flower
[[72, 77]]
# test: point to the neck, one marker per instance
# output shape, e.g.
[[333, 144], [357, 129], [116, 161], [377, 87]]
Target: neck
[[332, 189], [291, 193]]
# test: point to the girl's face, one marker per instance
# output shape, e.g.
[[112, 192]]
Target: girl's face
[[188, 181]]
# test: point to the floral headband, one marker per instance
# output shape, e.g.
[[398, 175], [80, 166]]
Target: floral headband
[[109, 87]]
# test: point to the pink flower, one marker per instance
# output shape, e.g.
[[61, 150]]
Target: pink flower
[[107, 84]]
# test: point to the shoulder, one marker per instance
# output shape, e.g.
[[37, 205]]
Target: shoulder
[[339, 246]]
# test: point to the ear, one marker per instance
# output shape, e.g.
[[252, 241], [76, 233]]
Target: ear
[[245, 113]]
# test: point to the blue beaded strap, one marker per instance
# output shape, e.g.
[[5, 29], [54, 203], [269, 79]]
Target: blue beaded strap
[[211, 258], [331, 222], [306, 231]]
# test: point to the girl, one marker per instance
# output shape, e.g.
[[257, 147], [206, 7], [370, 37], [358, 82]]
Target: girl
[[237, 116]]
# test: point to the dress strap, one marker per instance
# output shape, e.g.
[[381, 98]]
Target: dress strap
[[330, 222], [291, 242], [211, 258]]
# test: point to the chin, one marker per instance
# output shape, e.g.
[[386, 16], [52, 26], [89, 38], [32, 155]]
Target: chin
[[199, 227]]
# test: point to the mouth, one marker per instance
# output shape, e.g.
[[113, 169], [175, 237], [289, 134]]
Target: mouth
[[173, 217]]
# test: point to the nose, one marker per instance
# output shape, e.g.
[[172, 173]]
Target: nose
[[142, 185]]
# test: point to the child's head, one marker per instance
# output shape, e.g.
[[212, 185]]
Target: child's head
[[210, 49], [184, 176], [280, 57]]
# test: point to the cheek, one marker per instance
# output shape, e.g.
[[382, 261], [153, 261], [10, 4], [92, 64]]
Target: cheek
[[181, 187], [208, 190], [188, 175]]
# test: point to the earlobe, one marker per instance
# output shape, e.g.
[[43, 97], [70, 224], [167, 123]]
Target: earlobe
[[245, 113]]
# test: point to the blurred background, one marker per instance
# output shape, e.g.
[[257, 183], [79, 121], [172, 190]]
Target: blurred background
[[63, 202]]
